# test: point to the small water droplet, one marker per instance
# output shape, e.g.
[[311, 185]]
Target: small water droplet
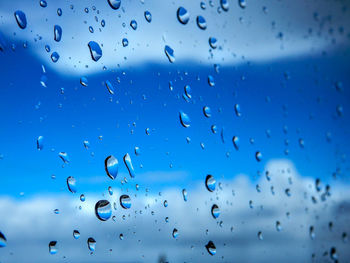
[[210, 183], [3, 240], [182, 15], [175, 233], [111, 166], [238, 110], [278, 226], [115, 4], [121, 236], [103, 210], [95, 50], [258, 156], [148, 16], [84, 81], [215, 211], [76, 234], [169, 52], [224, 5], [53, 247], [312, 232], [201, 23], [333, 254], [129, 166], [213, 42], [184, 119], [242, 3], [21, 19], [260, 236], [64, 157], [235, 141], [211, 248], [82, 197], [133, 24], [125, 42], [71, 183], [55, 57], [59, 11], [57, 33], [109, 87], [125, 201], [165, 203], [39, 143], [91, 244], [207, 111], [110, 190], [184, 194]]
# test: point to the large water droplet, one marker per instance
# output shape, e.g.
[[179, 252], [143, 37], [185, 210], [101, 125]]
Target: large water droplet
[[148, 16], [57, 33], [55, 57], [21, 19], [184, 119], [111, 167], [43, 3], [128, 164], [3, 240], [71, 183], [182, 15], [64, 157], [224, 5], [109, 87], [242, 3], [133, 24], [39, 143], [201, 23], [169, 52], [184, 194], [76, 234], [91, 244], [175, 233], [125, 201], [95, 50], [211, 248], [53, 247], [210, 183], [103, 210], [125, 42], [215, 211], [213, 42], [115, 4]]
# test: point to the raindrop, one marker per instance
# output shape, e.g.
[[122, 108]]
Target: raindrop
[[242, 3], [210, 183], [278, 226], [39, 143], [111, 166], [133, 24], [312, 232], [148, 16], [137, 151], [260, 236], [84, 81], [184, 194], [175, 233], [235, 141], [109, 87], [64, 157], [3, 240], [165, 203], [125, 201], [187, 89], [91, 244], [71, 183], [224, 5], [76, 234], [82, 197], [59, 11], [103, 210], [121, 236], [211, 81], [211, 248], [238, 110], [125, 42], [54, 57], [57, 33], [214, 129], [56, 211], [52, 247], [47, 48], [95, 50], [333, 254], [21, 19], [115, 4], [169, 52], [182, 15], [215, 211], [207, 111], [201, 23], [213, 42], [184, 119], [110, 190], [129, 166], [258, 156], [43, 3]]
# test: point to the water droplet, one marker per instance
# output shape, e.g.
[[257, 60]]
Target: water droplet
[[278, 226], [235, 141], [333, 254], [258, 156], [210, 183], [64, 157], [165, 203], [95, 50], [207, 111], [238, 110], [184, 119], [76, 234], [47, 48], [224, 5], [201, 23], [129, 166], [115, 4], [211, 81], [39, 143], [182, 15], [110, 190], [84, 81], [59, 11], [184, 194], [110, 87], [71, 183], [215, 211], [3, 240], [260, 236], [56, 211], [211, 248], [57, 33], [133, 24], [52, 247], [148, 16], [111, 166], [312, 232], [242, 3], [214, 129], [43, 3], [175, 233], [137, 151], [121, 236], [169, 52], [125, 201], [91, 244], [82, 197], [103, 210], [91, 29], [188, 90], [125, 42], [55, 57], [21, 19], [213, 42]]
